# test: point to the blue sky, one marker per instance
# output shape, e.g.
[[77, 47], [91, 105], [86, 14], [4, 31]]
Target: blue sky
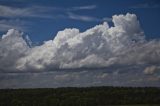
[[42, 19]]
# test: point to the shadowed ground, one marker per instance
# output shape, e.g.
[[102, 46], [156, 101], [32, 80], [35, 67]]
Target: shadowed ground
[[88, 96]]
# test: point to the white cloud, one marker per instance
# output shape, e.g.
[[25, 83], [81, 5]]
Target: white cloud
[[12, 48], [100, 46]]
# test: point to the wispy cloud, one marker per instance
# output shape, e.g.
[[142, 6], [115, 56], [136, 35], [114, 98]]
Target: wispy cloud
[[34, 11], [81, 17], [146, 5], [71, 14], [46, 12], [6, 24], [107, 19], [86, 18], [7, 11], [11, 16], [87, 7], [37, 11]]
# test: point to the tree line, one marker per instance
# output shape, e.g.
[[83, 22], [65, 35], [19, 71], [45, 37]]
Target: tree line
[[87, 96]]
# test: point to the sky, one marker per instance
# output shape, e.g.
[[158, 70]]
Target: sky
[[42, 19], [58, 43]]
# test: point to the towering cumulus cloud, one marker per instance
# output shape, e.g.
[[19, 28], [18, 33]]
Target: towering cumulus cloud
[[101, 46], [12, 48]]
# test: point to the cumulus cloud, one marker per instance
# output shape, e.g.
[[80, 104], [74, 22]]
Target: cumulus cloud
[[123, 43], [12, 48]]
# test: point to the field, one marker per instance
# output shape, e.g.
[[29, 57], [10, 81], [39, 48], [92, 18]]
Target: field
[[88, 96]]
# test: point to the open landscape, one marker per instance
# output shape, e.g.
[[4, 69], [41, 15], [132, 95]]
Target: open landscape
[[79, 52]]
